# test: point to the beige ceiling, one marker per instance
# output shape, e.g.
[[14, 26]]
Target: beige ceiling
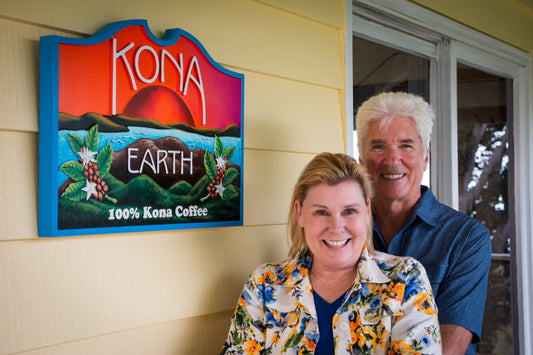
[[528, 3]]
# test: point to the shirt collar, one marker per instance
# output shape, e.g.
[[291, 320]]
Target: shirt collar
[[426, 208], [369, 270], [298, 269]]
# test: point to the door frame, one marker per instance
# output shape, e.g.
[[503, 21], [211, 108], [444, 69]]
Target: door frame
[[455, 42]]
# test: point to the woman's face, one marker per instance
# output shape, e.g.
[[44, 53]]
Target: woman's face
[[335, 222]]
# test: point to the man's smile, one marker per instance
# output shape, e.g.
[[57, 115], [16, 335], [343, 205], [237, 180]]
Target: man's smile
[[393, 176]]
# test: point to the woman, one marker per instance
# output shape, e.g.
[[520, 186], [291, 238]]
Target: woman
[[335, 294]]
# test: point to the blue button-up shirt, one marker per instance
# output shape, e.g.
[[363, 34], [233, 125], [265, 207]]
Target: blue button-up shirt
[[455, 250]]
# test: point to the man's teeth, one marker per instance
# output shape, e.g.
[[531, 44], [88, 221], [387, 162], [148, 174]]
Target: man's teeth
[[393, 176], [336, 243]]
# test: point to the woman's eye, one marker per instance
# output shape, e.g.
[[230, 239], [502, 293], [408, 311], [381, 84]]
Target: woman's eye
[[350, 211], [321, 213]]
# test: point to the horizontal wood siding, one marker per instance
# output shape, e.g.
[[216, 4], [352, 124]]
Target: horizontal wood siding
[[169, 292]]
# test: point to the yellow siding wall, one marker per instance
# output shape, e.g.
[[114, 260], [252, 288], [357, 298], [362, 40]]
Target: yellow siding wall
[[510, 21], [168, 292], [173, 292]]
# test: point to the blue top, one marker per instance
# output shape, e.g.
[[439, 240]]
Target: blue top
[[455, 250], [325, 312]]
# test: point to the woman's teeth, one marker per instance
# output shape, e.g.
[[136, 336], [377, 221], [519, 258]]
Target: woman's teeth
[[336, 243]]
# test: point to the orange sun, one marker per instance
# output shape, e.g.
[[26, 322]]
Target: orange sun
[[160, 103]]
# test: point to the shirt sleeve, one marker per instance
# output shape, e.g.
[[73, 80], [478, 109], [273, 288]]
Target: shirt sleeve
[[462, 294], [246, 332], [417, 330]]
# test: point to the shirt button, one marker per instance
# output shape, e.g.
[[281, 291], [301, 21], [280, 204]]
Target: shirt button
[[344, 327]]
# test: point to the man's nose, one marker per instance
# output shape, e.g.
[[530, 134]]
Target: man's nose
[[392, 156]]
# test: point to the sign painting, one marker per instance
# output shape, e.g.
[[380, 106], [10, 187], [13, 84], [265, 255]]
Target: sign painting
[[137, 133]]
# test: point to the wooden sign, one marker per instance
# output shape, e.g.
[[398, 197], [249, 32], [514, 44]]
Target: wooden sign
[[137, 133]]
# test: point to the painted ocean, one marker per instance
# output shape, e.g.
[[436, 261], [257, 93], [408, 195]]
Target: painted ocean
[[123, 139]]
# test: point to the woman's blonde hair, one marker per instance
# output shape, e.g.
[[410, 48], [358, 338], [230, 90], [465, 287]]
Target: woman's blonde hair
[[330, 169]]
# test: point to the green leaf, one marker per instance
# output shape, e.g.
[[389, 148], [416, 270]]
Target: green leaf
[[231, 174], [109, 198], [242, 319], [228, 152], [104, 159], [76, 143], [230, 192], [219, 147], [73, 169], [237, 338], [210, 166], [293, 340], [74, 191], [91, 141]]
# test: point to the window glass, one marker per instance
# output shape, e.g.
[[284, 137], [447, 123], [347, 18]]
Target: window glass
[[483, 112], [378, 68]]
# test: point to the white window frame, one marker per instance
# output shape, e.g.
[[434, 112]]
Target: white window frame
[[415, 29]]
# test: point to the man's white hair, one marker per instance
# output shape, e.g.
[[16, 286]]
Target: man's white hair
[[389, 104]]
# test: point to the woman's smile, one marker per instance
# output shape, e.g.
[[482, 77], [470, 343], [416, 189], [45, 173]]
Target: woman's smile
[[336, 244]]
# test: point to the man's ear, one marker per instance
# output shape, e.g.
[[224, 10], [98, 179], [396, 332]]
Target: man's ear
[[361, 158], [426, 160]]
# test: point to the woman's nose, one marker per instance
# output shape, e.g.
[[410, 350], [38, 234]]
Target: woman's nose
[[337, 223]]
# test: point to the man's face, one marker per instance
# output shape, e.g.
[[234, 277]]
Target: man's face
[[396, 160]]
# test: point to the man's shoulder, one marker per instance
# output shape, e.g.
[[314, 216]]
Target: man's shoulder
[[446, 216], [445, 212]]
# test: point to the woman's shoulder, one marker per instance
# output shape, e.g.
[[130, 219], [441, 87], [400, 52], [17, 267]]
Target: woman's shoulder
[[398, 266], [393, 259], [281, 271]]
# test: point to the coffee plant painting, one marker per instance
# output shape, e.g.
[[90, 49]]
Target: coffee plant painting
[[137, 133]]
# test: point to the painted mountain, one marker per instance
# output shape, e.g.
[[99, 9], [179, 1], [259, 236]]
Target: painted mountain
[[149, 181], [120, 123]]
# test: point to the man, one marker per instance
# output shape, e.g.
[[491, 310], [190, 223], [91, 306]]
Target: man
[[394, 130]]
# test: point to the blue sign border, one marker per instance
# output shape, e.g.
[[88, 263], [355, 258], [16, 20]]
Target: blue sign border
[[48, 131]]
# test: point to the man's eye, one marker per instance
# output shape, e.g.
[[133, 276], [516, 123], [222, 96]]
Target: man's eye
[[377, 147]]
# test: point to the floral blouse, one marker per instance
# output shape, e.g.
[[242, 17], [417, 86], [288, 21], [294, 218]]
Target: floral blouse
[[389, 309]]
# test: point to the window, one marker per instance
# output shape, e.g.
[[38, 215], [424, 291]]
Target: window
[[484, 103], [383, 68], [481, 91]]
